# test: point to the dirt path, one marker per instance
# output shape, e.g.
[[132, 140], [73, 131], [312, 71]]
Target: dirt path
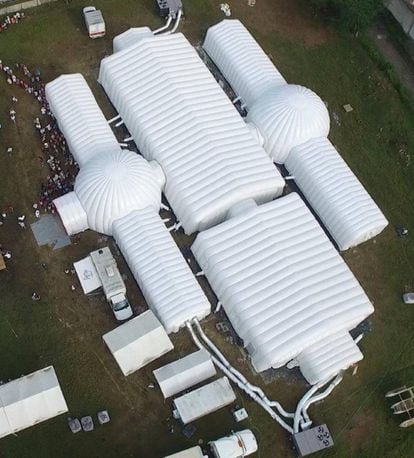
[[404, 69]]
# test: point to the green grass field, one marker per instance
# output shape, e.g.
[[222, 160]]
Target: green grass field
[[65, 328]]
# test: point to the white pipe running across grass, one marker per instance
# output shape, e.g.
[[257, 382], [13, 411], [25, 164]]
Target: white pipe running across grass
[[177, 22], [241, 385], [307, 422], [239, 375], [164, 27]]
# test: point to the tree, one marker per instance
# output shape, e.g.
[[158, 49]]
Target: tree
[[354, 15]]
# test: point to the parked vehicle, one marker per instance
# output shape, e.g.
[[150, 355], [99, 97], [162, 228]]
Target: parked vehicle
[[94, 22], [112, 283]]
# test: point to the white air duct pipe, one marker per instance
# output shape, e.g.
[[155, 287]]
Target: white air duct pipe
[[239, 375], [177, 22], [164, 27], [241, 385]]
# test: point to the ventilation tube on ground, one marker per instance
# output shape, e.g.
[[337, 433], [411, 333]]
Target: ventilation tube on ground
[[239, 383], [164, 27]]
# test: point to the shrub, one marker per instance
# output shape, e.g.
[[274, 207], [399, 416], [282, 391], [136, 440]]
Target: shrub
[[353, 15]]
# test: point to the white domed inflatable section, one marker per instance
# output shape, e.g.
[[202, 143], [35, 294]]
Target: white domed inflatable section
[[288, 116], [115, 184]]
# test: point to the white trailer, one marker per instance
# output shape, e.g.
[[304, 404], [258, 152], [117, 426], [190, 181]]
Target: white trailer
[[99, 269], [237, 445], [94, 22]]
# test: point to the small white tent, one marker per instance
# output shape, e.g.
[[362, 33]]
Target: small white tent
[[184, 373], [237, 445], [138, 342], [29, 400], [204, 400]]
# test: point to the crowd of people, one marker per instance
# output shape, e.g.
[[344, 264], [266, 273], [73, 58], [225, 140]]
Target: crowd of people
[[7, 21], [62, 169]]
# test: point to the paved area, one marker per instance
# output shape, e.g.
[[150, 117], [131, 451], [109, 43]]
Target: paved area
[[49, 230], [404, 69]]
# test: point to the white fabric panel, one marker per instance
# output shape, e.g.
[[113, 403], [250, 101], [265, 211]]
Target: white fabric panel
[[335, 193], [113, 184], [166, 281], [288, 116], [204, 400], [179, 116], [87, 274], [323, 360], [79, 117], [184, 373], [237, 445], [282, 284], [241, 60], [138, 342], [29, 400], [71, 212], [130, 37]]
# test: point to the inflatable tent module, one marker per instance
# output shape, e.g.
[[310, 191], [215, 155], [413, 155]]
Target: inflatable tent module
[[241, 60], [138, 342], [280, 280], [130, 37], [28, 400], [185, 373], [207, 153], [79, 117], [336, 195]]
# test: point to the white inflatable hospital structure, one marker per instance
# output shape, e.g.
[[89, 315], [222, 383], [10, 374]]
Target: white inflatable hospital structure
[[283, 285]]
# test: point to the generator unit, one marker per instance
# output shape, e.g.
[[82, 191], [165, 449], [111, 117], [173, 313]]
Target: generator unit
[[169, 7], [313, 440]]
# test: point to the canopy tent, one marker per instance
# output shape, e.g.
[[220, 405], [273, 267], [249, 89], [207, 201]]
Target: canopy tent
[[281, 282], [130, 37], [335, 193], [79, 117], [87, 274], [204, 400], [179, 116], [29, 400], [164, 277], [241, 60], [193, 452], [184, 373], [138, 342], [323, 360], [238, 445]]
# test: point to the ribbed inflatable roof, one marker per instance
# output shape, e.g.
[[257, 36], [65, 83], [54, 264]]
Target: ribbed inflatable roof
[[288, 116], [113, 185], [79, 118], [178, 115], [282, 284], [241, 60]]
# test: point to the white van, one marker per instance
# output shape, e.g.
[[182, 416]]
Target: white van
[[94, 22]]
